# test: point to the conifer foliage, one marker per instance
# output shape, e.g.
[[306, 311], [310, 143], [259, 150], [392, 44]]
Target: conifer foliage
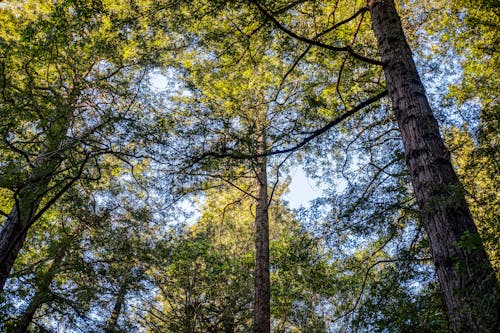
[[147, 149]]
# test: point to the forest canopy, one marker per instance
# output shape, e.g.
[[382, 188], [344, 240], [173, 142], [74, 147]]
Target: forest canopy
[[148, 147]]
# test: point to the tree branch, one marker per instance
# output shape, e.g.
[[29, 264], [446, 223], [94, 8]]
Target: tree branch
[[289, 32], [313, 135]]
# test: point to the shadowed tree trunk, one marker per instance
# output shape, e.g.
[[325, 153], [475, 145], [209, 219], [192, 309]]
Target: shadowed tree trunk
[[467, 280], [16, 225], [42, 294], [262, 310], [29, 197], [119, 301], [12, 236]]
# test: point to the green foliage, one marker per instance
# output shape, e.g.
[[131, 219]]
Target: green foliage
[[76, 103], [478, 171], [208, 285]]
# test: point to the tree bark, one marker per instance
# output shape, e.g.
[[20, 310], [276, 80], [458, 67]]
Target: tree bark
[[262, 308], [28, 198], [16, 225], [467, 280], [42, 294]]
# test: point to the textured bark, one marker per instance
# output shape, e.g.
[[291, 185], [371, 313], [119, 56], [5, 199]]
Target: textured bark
[[42, 294], [468, 283], [262, 309]]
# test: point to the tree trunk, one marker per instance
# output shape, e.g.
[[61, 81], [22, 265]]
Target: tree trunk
[[28, 198], [42, 294], [12, 236], [467, 280], [262, 309], [120, 299]]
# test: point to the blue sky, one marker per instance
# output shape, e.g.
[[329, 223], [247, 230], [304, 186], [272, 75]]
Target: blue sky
[[302, 189]]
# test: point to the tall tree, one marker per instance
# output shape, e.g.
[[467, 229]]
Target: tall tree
[[464, 271], [208, 284], [474, 92], [458, 253], [262, 285], [236, 119]]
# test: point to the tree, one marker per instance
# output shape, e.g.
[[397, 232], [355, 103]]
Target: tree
[[71, 77], [236, 114], [88, 259], [257, 80], [458, 253], [471, 137], [464, 271], [51, 277], [207, 286]]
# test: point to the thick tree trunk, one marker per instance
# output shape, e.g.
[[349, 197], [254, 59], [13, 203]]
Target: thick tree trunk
[[262, 308], [12, 236], [27, 200], [42, 294], [16, 225], [464, 272]]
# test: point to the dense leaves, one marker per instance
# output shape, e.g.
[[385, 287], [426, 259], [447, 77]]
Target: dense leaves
[[134, 141]]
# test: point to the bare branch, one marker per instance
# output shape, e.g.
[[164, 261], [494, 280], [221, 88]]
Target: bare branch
[[277, 178]]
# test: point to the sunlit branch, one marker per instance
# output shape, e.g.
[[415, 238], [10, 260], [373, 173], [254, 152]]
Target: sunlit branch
[[277, 178], [333, 27], [365, 280], [339, 78]]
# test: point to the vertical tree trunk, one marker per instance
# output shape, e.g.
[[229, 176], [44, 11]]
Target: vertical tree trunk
[[120, 299], [468, 283], [42, 294], [262, 309]]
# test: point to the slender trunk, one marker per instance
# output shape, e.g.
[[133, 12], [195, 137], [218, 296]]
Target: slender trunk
[[262, 310], [42, 294], [464, 272], [28, 198], [120, 300]]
